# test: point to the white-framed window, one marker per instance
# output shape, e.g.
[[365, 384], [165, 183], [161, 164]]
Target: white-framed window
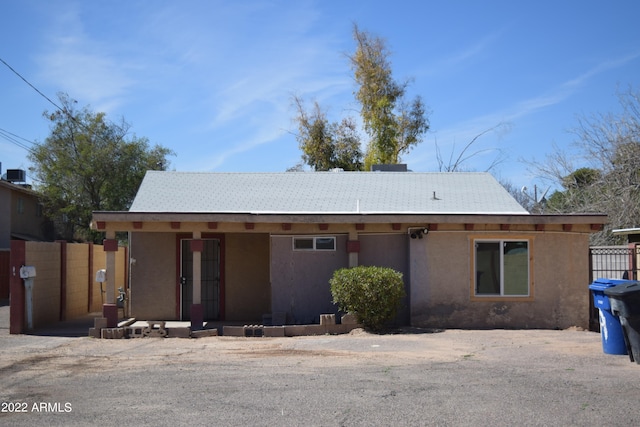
[[501, 268], [314, 243]]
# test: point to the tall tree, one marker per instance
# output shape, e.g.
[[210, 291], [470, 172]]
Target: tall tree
[[607, 178], [326, 145], [394, 125], [89, 164]]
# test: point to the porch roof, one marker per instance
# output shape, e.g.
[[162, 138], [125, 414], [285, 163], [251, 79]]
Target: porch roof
[[324, 193]]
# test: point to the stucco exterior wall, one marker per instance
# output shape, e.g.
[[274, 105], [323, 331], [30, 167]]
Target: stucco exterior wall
[[300, 279], [153, 276], [388, 250], [442, 293], [247, 282]]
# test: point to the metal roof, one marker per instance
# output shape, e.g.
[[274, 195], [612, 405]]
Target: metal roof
[[324, 193]]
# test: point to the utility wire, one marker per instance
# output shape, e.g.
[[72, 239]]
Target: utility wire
[[15, 139], [32, 86]]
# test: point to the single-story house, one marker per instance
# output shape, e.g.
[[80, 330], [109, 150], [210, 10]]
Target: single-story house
[[239, 246]]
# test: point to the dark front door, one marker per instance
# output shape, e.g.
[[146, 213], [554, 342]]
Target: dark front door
[[210, 282]]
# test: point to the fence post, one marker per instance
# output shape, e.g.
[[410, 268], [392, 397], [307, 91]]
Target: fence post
[[16, 289]]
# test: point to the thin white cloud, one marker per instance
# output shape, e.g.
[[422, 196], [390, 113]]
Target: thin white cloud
[[460, 134], [85, 69], [465, 55]]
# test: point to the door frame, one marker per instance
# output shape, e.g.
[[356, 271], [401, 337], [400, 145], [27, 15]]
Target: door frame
[[189, 236]]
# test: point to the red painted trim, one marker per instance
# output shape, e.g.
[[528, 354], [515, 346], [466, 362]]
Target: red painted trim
[[212, 225], [137, 225], [196, 245], [175, 225], [395, 226], [505, 227], [286, 226], [468, 227], [101, 225], [567, 227], [353, 246], [181, 236], [249, 225], [110, 245], [323, 226], [539, 227], [359, 227], [16, 289], [596, 227], [63, 280], [433, 227]]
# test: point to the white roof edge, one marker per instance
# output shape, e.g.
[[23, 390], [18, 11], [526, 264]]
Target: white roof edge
[[626, 231]]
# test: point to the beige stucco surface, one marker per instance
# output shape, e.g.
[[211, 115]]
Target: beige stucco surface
[[442, 294], [247, 285], [153, 276]]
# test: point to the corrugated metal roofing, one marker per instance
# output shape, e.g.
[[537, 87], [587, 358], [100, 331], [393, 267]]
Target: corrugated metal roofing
[[324, 193]]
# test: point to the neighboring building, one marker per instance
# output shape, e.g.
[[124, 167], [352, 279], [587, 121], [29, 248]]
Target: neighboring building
[[237, 246], [21, 218], [21, 214]]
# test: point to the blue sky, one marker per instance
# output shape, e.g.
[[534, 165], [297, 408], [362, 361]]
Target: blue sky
[[213, 80]]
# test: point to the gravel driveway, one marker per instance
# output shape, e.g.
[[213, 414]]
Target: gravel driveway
[[453, 377]]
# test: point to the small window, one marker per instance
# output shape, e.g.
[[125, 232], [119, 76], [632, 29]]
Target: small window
[[502, 268], [314, 243]]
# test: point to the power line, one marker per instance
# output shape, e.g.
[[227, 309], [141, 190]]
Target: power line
[[32, 86], [15, 139]]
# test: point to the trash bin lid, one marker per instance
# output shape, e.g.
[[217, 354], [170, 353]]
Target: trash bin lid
[[625, 289], [603, 284]]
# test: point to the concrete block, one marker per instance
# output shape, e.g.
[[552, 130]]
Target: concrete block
[[295, 330], [179, 332], [100, 322], [349, 319], [204, 333], [112, 333], [94, 332], [327, 319], [233, 331], [135, 331], [253, 330], [274, 331]]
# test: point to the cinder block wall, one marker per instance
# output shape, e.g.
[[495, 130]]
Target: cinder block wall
[[46, 286], [77, 280], [62, 290]]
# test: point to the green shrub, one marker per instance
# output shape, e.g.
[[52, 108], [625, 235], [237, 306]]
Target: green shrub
[[373, 294]]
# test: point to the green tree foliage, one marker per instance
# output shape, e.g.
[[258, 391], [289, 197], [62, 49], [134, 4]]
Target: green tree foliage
[[372, 293], [608, 178], [327, 145], [394, 124], [89, 164]]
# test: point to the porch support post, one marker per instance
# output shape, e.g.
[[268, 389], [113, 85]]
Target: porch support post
[[109, 308], [196, 306], [353, 247]]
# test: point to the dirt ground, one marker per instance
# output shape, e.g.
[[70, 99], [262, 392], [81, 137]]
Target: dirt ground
[[419, 377]]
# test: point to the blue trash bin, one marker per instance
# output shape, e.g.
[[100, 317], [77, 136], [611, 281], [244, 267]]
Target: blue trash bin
[[610, 328]]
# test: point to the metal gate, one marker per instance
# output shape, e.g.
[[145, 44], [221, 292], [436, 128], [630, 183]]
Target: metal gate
[[611, 262]]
